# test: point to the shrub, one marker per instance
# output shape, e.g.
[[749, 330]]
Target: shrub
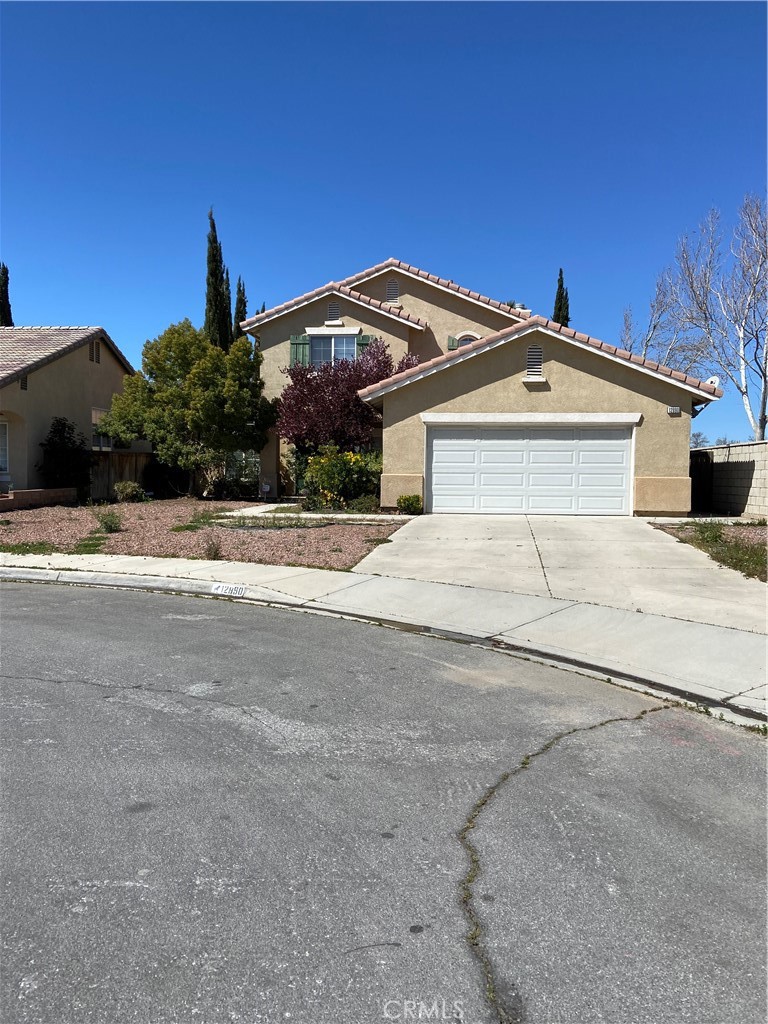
[[339, 477], [67, 457], [109, 520], [129, 490], [410, 504], [367, 504], [212, 548]]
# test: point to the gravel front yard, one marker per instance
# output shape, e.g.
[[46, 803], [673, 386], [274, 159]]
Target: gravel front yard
[[147, 530], [740, 546]]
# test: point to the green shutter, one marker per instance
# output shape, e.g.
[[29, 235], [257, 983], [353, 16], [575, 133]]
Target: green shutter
[[363, 342], [452, 344], [300, 349]]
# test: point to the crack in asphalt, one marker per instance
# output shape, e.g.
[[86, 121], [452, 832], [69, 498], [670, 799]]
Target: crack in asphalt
[[508, 1008], [181, 695]]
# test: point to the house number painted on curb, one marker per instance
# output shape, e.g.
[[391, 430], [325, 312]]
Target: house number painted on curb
[[229, 589]]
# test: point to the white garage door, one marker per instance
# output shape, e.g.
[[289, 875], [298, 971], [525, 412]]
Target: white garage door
[[528, 470]]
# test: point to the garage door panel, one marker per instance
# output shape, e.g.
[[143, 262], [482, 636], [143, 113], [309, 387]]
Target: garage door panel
[[536, 470], [496, 480], [502, 503]]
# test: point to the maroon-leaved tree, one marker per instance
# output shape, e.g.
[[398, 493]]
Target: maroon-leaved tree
[[320, 405]]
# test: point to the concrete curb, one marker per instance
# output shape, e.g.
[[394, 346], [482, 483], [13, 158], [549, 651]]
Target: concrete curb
[[265, 597]]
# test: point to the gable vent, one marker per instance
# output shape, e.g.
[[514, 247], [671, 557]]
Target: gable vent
[[334, 311], [534, 364], [393, 290], [23, 383]]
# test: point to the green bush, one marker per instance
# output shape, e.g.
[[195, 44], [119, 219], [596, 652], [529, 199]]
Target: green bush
[[109, 520], [129, 490], [410, 504], [67, 457], [368, 504], [339, 477]]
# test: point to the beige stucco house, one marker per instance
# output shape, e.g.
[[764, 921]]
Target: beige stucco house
[[506, 412], [46, 372]]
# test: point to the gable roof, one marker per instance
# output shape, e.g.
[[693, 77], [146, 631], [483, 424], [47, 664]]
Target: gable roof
[[441, 282], [25, 349], [346, 287], [700, 388], [332, 288]]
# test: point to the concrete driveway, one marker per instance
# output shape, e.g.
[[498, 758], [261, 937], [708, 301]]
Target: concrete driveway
[[619, 562]]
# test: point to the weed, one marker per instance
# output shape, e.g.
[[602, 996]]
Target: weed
[[28, 547], [749, 559], [5, 522], [109, 520], [203, 517], [212, 548], [90, 545]]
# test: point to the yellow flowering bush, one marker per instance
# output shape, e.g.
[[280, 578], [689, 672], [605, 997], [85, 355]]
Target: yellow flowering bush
[[340, 477]]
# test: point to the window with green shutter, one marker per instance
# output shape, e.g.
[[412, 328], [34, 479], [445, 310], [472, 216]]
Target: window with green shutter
[[300, 349], [363, 342]]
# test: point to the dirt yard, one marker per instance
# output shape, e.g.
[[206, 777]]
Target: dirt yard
[[146, 528]]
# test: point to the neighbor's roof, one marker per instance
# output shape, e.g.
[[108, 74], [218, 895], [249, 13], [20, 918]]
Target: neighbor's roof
[[25, 349], [345, 287], [333, 288], [375, 391]]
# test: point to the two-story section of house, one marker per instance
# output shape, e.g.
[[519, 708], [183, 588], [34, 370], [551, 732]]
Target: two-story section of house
[[411, 310]]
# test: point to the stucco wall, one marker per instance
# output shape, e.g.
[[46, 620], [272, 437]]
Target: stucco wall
[[275, 336], [70, 386], [447, 314], [737, 478], [577, 381]]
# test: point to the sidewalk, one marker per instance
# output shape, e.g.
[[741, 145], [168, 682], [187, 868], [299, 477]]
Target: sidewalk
[[717, 666]]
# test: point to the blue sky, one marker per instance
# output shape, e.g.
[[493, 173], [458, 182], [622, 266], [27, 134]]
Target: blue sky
[[490, 143]]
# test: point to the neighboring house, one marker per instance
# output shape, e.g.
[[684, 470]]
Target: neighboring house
[[506, 412], [46, 372]]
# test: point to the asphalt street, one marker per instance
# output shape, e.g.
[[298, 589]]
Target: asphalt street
[[217, 812]]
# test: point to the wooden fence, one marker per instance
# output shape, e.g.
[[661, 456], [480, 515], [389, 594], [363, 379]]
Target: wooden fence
[[110, 467]]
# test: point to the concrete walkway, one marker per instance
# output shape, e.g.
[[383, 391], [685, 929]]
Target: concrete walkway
[[716, 665]]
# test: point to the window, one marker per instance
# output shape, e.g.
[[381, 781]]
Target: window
[[534, 363], [3, 447], [94, 351], [331, 348], [23, 383], [393, 290], [99, 442], [466, 339], [334, 311]]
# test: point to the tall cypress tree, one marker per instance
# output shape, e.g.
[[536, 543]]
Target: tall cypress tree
[[241, 309], [6, 318], [562, 312], [218, 299]]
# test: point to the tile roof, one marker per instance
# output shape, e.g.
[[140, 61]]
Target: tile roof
[[24, 349], [395, 264], [539, 321], [332, 288]]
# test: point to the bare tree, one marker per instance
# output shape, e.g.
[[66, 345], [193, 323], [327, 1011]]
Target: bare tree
[[664, 338], [709, 312], [720, 300]]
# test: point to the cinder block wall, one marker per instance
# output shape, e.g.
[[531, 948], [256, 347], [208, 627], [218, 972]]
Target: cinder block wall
[[740, 479]]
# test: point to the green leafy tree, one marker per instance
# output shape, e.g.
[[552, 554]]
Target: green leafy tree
[[562, 311], [196, 403], [6, 318], [218, 297], [67, 457], [241, 309]]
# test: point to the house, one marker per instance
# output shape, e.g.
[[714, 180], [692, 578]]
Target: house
[[46, 372], [507, 412]]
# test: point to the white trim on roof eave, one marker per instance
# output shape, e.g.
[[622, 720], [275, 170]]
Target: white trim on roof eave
[[602, 419], [554, 334], [342, 295], [442, 287]]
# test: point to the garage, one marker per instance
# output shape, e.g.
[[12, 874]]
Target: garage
[[560, 470]]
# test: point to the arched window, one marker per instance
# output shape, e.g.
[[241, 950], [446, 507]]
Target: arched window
[[466, 339], [393, 290], [534, 363]]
